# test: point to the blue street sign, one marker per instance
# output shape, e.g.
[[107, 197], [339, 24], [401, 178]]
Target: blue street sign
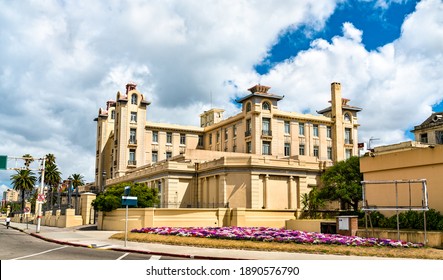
[[129, 201]]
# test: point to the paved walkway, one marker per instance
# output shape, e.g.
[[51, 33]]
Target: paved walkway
[[88, 236]]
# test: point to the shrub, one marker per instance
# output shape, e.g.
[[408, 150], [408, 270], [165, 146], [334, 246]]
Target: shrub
[[407, 220], [111, 198]]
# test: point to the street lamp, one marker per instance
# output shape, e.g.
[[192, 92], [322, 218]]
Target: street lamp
[[103, 181], [69, 192], [58, 196]]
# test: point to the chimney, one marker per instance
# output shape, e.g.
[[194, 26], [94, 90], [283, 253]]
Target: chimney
[[130, 86], [336, 99], [337, 117]]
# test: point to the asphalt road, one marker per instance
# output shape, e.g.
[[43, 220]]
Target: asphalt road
[[16, 245]]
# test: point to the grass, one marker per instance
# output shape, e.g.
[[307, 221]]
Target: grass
[[389, 252]]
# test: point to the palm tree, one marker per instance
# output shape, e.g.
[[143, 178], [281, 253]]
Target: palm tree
[[49, 159], [52, 176], [77, 180], [23, 181]]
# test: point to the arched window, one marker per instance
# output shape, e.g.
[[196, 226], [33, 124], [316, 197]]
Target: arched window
[[134, 99], [347, 117], [266, 106], [248, 107]]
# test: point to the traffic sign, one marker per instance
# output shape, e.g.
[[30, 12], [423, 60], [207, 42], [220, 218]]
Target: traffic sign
[[41, 197], [27, 210], [129, 201], [3, 162]]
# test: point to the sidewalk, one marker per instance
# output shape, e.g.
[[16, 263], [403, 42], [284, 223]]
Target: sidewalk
[[87, 236]]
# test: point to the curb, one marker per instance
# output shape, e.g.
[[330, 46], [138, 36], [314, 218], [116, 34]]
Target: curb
[[123, 249]]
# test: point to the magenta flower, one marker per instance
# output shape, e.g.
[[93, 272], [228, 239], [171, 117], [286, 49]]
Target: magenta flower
[[275, 235]]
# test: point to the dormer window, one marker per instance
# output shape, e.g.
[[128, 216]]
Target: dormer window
[[347, 118], [248, 107], [134, 99], [266, 106]]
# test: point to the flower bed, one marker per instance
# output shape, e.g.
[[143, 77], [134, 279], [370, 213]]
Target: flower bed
[[275, 235]]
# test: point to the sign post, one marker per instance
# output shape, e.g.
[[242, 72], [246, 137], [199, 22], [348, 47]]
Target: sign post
[[26, 211], [128, 201]]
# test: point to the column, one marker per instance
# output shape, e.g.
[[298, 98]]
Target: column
[[203, 201], [301, 189], [222, 191], [291, 192], [266, 192]]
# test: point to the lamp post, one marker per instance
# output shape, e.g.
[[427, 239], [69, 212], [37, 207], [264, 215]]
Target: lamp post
[[58, 196], [102, 189], [40, 195], [76, 200], [69, 192]]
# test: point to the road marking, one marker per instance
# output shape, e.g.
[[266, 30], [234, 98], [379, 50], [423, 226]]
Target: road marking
[[44, 252], [154, 258], [122, 256]]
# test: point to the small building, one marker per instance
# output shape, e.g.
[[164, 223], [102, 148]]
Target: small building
[[412, 160]]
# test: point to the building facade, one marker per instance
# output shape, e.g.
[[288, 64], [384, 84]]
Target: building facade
[[262, 157], [10, 195], [431, 130]]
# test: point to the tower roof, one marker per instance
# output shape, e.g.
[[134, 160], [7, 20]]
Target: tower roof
[[262, 91]]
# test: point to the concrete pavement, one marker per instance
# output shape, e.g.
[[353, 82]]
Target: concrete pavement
[[88, 236]]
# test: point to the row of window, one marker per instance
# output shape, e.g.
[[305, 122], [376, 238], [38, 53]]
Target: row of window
[[265, 106], [169, 138], [266, 149], [266, 130]]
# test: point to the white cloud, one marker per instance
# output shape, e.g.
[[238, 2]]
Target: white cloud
[[62, 60], [395, 85]]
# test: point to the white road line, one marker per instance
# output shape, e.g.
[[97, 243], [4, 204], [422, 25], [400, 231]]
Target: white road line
[[44, 252], [122, 256], [154, 258]]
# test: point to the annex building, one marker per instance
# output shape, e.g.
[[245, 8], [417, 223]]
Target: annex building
[[411, 160], [260, 158]]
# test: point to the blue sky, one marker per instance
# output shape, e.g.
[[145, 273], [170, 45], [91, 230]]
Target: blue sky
[[380, 25], [62, 60]]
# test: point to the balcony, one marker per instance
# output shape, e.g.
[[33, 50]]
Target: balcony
[[132, 142], [266, 134], [349, 141], [132, 163], [247, 133]]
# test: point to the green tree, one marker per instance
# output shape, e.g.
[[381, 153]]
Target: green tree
[[111, 198], [23, 181], [77, 180], [52, 177], [342, 182], [312, 202]]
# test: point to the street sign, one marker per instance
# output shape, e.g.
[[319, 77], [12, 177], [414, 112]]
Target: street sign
[[41, 197], [27, 210], [3, 162], [129, 201]]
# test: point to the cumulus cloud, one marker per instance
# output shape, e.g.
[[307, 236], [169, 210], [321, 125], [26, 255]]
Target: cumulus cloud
[[62, 60], [396, 85]]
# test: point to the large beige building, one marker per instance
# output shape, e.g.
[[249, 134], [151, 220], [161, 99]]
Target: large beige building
[[261, 157]]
